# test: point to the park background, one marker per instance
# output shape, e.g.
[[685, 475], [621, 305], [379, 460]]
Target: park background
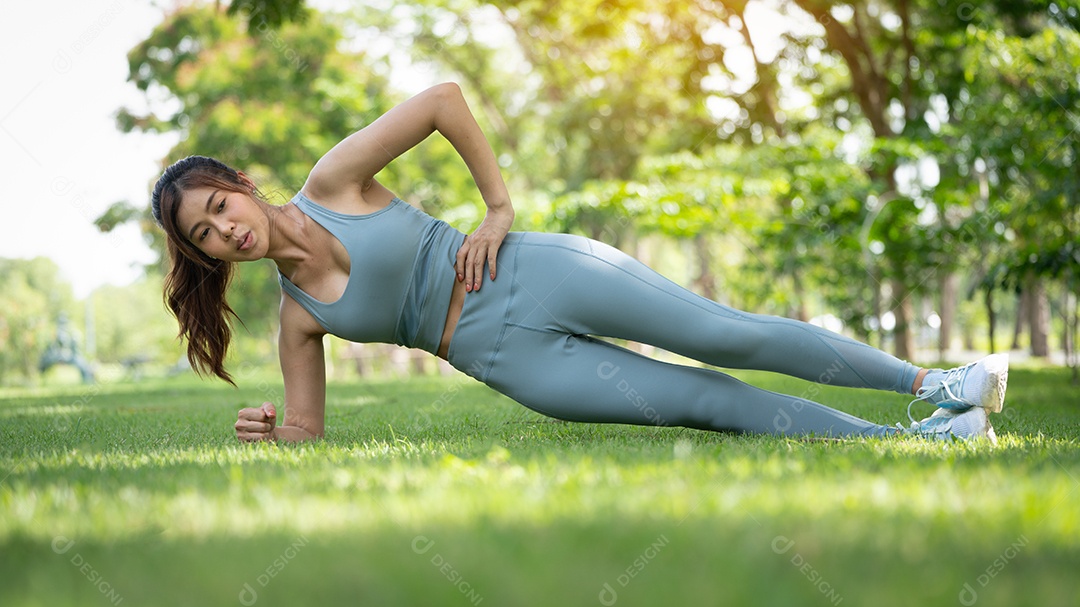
[[901, 171]]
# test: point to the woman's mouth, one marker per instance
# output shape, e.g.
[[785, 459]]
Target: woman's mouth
[[245, 244]]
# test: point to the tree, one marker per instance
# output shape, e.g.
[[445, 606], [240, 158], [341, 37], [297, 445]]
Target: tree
[[131, 324], [32, 297], [1031, 154], [268, 101]]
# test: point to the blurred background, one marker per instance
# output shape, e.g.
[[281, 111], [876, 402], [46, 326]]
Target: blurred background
[[901, 171]]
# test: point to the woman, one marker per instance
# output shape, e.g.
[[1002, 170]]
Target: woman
[[358, 262]]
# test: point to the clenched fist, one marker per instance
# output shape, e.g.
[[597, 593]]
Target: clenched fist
[[256, 424]]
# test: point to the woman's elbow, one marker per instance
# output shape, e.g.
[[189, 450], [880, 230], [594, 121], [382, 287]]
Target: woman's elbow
[[449, 90]]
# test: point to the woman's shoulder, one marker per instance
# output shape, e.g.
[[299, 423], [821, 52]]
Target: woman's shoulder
[[345, 197]]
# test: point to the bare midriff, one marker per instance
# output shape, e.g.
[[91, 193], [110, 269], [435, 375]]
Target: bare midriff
[[453, 313]]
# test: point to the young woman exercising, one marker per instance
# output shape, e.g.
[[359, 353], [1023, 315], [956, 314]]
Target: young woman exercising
[[356, 261]]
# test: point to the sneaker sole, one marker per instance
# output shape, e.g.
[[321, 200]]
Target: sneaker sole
[[997, 370], [975, 430]]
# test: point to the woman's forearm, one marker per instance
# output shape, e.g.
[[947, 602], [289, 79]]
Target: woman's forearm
[[455, 121]]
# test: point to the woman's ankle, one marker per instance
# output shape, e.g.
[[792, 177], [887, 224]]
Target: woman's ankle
[[919, 377]]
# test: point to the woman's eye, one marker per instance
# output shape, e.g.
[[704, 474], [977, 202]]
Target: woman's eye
[[221, 205], [203, 234]]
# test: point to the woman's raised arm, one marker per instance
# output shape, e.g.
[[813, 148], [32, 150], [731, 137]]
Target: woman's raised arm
[[356, 159]]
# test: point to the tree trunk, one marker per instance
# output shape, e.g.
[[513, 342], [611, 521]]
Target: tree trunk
[[1039, 318], [991, 317], [967, 337], [1074, 310], [948, 313], [904, 346], [1023, 304], [419, 360], [797, 289], [1068, 341], [876, 330], [706, 281]]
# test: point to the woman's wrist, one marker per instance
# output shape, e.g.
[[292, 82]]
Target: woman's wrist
[[502, 209], [292, 434]]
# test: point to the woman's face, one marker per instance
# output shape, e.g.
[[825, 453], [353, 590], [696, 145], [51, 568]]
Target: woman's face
[[229, 226]]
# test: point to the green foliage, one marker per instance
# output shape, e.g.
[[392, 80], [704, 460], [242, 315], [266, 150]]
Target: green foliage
[[261, 14], [33, 295], [805, 185], [267, 101], [131, 323], [270, 102], [1030, 147]]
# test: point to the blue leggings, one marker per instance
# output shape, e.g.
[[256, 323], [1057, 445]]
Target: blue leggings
[[531, 335]]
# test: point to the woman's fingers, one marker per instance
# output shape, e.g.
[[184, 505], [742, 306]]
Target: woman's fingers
[[470, 268], [256, 424], [253, 414], [479, 255], [462, 257], [479, 248], [244, 425], [466, 266]]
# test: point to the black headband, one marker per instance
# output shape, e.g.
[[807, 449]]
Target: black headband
[[176, 170]]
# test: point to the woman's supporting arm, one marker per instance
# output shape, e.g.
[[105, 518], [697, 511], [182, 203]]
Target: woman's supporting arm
[[303, 369]]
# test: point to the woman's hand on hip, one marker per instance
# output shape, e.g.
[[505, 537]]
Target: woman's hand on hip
[[483, 246], [256, 424]]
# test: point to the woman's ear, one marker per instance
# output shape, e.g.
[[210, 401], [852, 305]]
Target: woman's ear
[[246, 181]]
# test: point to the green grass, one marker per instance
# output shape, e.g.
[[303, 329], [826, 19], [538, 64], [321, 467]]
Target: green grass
[[441, 492]]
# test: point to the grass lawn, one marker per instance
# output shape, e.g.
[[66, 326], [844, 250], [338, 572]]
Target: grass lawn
[[438, 491]]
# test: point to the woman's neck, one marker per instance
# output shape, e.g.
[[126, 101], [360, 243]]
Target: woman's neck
[[290, 244]]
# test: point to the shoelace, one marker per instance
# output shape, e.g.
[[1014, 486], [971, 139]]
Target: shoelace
[[952, 377], [929, 428]]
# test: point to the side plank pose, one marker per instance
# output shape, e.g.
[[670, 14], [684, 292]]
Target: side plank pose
[[356, 261]]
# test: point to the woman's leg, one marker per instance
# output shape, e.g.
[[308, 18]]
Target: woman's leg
[[583, 287], [583, 379], [524, 335]]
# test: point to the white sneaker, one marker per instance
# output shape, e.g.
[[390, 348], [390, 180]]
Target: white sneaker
[[946, 424], [978, 384]]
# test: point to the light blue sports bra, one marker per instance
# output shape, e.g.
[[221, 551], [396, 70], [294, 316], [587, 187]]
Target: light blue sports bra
[[400, 280]]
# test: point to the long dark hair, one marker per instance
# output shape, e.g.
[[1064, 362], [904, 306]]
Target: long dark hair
[[196, 284]]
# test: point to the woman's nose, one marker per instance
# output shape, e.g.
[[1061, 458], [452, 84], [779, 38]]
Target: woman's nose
[[226, 228]]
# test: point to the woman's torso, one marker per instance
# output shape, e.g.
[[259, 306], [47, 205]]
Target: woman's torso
[[401, 275]]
